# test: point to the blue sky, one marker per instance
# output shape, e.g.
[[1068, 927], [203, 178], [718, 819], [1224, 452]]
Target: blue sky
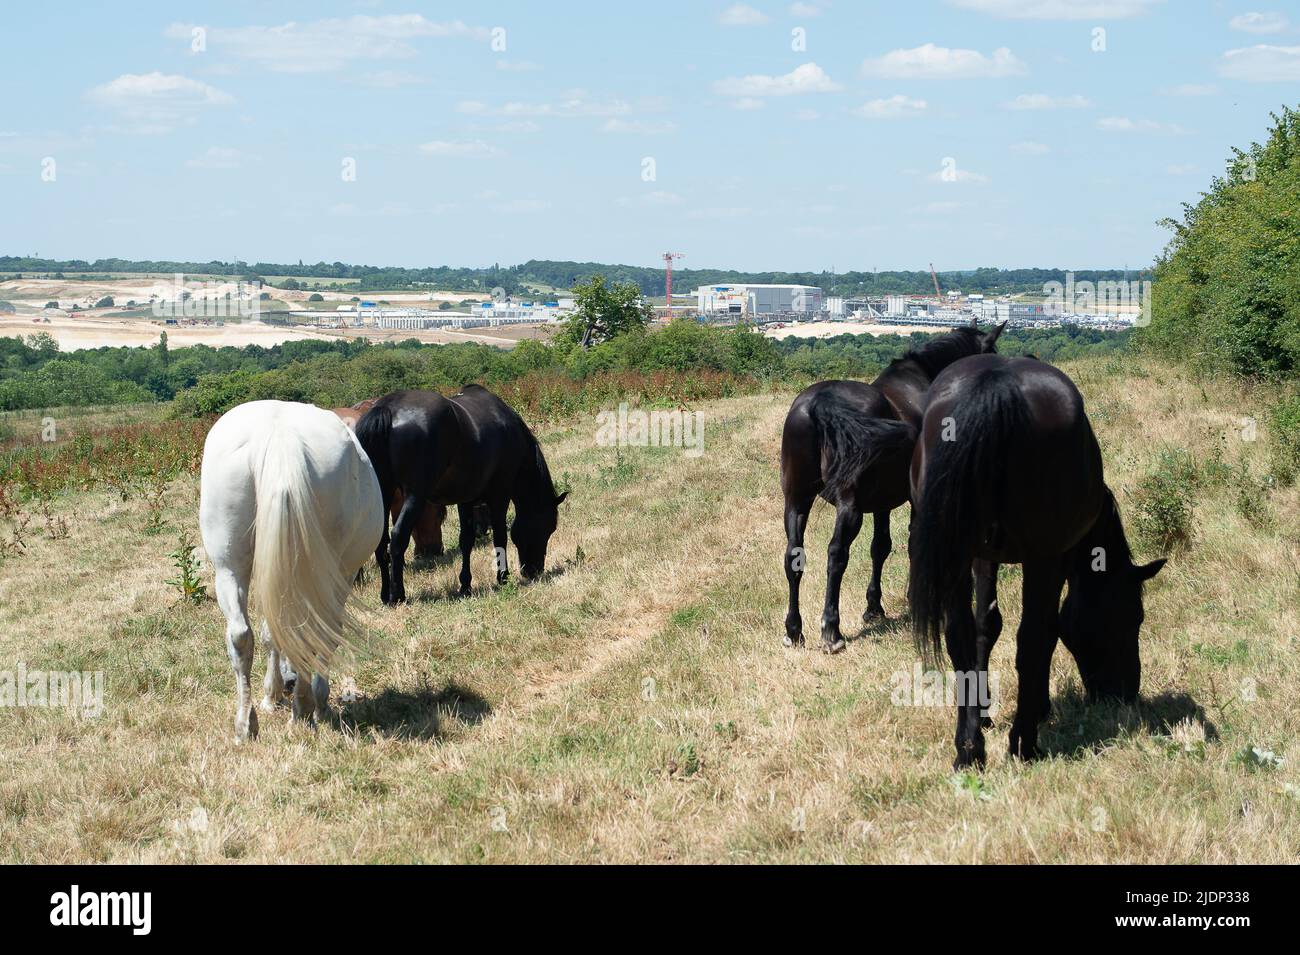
[[885, 135]]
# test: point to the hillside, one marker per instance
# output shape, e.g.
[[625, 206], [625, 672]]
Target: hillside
[[638, 705]]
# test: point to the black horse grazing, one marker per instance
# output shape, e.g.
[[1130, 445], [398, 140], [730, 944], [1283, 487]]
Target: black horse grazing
[[851, 443], [1007, 470], [469, 448]]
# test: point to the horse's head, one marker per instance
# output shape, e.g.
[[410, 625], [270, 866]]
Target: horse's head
[[1100, 620], [532, 531]]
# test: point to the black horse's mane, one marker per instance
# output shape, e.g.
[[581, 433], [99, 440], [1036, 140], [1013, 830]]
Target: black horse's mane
[[938, 353]]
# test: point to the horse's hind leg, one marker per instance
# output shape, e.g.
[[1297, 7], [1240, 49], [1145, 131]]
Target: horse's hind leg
[[796, 559], [497, 510], [401, 538], [1035, 644], [988, 620], [848, 521], [959, 636], [881, 545], [466, 514], [273, 685], [232, 597], [304, 702]]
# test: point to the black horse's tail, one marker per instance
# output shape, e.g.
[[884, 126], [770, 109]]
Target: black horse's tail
[[960, 499], [851, 442], [374, 432]]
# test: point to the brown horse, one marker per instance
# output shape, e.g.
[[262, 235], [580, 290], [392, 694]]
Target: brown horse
[[851, 443], [428, 527]]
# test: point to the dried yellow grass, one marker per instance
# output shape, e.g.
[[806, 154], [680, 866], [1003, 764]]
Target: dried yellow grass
[[638, 705]]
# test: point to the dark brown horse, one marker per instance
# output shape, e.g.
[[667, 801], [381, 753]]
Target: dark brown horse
[[471, 447], [851, 443], [1007, 470], [428, 527]]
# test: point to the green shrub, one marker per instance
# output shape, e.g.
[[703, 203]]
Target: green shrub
[[1162, 506], [1285, 433]]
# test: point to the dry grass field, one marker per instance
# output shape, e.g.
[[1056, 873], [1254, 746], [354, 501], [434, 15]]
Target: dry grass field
[[638, 706]]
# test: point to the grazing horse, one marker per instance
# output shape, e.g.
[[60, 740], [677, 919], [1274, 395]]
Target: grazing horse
[[1007, 470], [851, 443], [289, 509], [428, 528], [460, 450]]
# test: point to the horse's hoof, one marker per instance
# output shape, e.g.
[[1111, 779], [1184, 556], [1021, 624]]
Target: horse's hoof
[[790, 641], [833, 646], [873, 616]]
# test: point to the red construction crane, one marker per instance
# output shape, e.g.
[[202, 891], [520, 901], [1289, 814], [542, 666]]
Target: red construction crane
[[938, 296], [668, 277]]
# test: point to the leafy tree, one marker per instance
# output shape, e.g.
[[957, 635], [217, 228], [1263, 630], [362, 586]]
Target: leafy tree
[[602, 311], [1226, 291], [105, 302]]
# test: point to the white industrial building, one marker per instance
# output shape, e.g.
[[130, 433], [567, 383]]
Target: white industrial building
[[747, 300]]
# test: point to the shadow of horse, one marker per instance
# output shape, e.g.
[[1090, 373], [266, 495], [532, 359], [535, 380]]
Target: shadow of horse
[[452, 591], [1080, 728], [418, 715]]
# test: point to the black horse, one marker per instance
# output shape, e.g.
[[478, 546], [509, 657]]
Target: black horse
[[1007, 470], [462, 450], [851, 443]]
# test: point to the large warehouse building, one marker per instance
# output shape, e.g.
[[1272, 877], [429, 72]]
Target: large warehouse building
[[758, 299]]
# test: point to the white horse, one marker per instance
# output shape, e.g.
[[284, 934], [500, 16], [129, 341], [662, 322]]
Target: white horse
[[289, 503]]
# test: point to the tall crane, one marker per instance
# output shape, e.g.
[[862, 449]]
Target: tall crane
[[938, 296], [668, 277]]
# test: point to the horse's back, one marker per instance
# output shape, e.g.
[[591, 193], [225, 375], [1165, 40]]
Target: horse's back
[[801, 445], [1047, 472], [459, 449], [341, 478]]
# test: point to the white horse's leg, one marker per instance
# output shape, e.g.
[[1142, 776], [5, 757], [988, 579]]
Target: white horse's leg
[[232, 597], [304, 703], [273, 686], [320, 688]]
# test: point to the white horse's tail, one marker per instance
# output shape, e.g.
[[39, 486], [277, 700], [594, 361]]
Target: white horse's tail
[[297, 580]]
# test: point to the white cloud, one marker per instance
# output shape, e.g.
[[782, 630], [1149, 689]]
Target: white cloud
[[575, 103], [1029, 148], [1190, 89], [641, 127], [742, 15], [1122, 124], [1042, 101], [1058, 9], [657, 198], [719, 212], [748, 103], [808, 78], [391, 79], [1180, 169], [941, 63], [156, 102], [319, 46], [957, 175], [521, 206], [1262, 64], [518, 126], [805, 10], [219, 157], [891, 108], [470, 148], [1260, 22]]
